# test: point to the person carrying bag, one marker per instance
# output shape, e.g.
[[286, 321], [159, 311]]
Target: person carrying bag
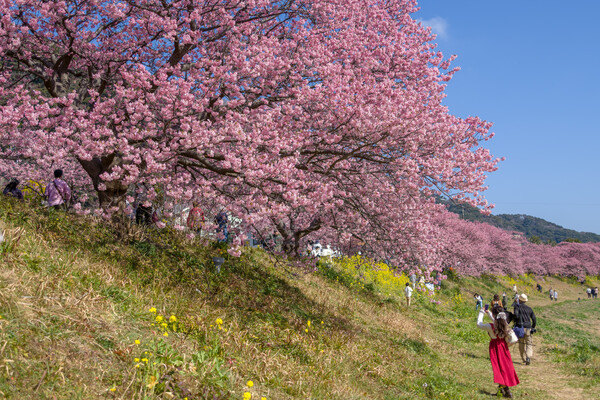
[[58, 193], [524, 328], [500, 358]]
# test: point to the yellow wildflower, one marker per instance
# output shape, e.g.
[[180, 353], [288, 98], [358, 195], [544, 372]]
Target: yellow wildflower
[[159, 318], [308, 323], [153, 310], [137, 341], [145, 360], [136, 359], [165, 334], [172, 318], [112, 389], [247, 395], [219, 321], [250, 383]]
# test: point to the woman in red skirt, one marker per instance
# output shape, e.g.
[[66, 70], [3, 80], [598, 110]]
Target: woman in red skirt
[[502, 365]]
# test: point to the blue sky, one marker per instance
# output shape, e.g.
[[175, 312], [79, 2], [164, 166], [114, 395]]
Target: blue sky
[[531, 67]]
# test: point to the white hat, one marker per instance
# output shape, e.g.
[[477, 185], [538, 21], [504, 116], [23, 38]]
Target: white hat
[[523, 298]]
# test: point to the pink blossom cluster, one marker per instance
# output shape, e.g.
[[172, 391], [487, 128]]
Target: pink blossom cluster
[[305, 118], [474, 248]]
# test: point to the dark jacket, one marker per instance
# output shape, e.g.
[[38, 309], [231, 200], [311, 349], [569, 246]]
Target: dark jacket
[[524, 316]]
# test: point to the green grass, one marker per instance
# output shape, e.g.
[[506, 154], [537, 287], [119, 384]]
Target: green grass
[[76, 298]]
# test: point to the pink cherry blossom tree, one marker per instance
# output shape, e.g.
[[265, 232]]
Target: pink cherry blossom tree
[[475, 248], [302, 117]]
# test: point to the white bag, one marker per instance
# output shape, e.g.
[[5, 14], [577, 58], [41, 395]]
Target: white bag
[[511, 338]]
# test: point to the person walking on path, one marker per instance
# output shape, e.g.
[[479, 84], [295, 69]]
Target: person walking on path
[[504, 301], [596, 292], [408, 293], [551, 292], [589, 292], [525, 318], [479, 301], [555, 293], [500, 358], [12, 189], [58, 192]]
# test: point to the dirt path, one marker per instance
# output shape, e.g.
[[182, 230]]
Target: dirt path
[[545, 375]]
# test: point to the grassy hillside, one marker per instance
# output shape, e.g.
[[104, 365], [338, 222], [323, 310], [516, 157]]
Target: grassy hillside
[[88, 315]]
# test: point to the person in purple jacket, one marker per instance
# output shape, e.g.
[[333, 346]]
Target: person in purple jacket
[[58, 192]]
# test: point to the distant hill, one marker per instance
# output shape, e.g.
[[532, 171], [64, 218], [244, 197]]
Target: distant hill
[[530, 226]]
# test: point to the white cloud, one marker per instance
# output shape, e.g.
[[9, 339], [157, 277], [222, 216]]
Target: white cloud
[[438, 25]]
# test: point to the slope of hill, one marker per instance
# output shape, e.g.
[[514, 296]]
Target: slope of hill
[[530, 226], [85, 314]]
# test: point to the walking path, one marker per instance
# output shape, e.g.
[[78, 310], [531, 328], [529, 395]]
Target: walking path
[[544, 374]]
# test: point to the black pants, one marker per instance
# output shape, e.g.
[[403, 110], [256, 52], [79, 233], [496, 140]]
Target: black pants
[[143, 215]]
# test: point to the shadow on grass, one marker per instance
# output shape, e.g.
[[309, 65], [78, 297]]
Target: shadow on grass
[[488, 393], [167, 260], [470, 355]]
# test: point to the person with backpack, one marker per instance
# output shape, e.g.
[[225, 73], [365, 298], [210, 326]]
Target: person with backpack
[[551, 292], [500, 358], [58, 192], [555, 293], [525, 322], [478, 301], [13, 190]]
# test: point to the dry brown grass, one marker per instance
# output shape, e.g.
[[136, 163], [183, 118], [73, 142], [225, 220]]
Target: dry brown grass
[[73, 300]]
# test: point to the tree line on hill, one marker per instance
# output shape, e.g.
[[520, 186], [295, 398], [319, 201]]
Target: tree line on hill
[[535, 229], [475, 248]]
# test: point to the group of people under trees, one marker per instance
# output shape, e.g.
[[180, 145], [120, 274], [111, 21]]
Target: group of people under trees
[[57, 195], [502, 337]]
